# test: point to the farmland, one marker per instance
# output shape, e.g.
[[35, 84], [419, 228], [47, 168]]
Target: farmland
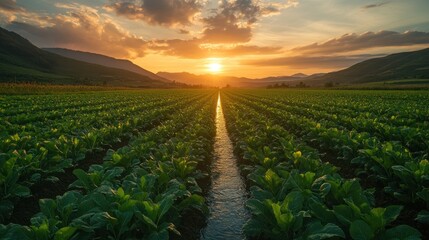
[[136, 190], [127, 164], [333, 164]]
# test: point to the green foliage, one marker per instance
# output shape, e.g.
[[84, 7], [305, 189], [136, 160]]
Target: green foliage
[[140, 190], [294, 195]]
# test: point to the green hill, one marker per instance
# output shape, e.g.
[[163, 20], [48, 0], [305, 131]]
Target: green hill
[[399, 66], [21, 61]]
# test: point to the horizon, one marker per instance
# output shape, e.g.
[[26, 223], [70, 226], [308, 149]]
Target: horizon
[[240, 38]]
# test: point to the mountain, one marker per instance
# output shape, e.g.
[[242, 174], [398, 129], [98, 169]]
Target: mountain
[[216, 80], [406, 68], [398, 66], [104, 61], [205, 80], [300, 75], [21, 61]]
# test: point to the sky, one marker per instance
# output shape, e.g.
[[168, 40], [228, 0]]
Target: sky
[[244, 38]]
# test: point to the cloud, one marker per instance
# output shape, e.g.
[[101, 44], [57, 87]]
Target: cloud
[[340, 52], [10, 6], [375, 5], [224, 32], [183, 31], [331, 62], [232, 22], [10, 11], [196, 49], [158, 12], [353, 42], [273, 8], [82, 28], [181, 48], [251, 50]]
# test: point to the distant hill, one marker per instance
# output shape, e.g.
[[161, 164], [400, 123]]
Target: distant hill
[[21, 61], [205, 80], [104, 61], [215, 80], [301, 75], [398, 66]]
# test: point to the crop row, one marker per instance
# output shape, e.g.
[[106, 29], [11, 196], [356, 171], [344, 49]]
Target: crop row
[[35, 155], [15, 105], [416, 139], [140, 191], [394, 108], [404, 176], [294, 195]]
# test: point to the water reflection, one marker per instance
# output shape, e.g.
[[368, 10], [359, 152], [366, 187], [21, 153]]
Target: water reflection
[[227, 195]]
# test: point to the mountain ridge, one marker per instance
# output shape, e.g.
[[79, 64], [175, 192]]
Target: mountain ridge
[[397, 66], [218, 80], [104, 60], [21, 61]]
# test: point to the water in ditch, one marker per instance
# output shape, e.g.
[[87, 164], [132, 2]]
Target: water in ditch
[[227, 195]]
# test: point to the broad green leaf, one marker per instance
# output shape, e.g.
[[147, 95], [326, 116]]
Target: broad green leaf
[[165, 205], [423, 217], [161, 235], [294, 201], [65, 233], [344, 214], [48, 207], [360, 230], [321, 211], [318, 231], [403, 232], [392, 212], [20, 191]]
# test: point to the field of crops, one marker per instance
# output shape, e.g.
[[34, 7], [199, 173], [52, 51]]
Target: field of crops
[[135, 164], [139, 189], [303, 151]]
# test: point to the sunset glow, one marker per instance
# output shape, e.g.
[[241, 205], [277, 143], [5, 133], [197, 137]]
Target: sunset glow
[[214, 67], [259, 38]]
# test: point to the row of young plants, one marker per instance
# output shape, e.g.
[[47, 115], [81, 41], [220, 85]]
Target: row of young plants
[[409, 108], [349, 144], [140, 191], [11, 106], [416, 139], [39, 154], [103, 103], [294, 195], [56, 119], [378, 104], [75, 119], [406, 177]]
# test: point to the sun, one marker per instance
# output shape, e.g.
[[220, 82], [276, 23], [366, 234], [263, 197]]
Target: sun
[[214, 67]]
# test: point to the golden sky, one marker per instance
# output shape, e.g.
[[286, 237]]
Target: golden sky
[[245, 38]]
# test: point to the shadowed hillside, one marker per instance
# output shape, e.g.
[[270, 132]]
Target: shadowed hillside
[[399, 66], [104, 61], [21, 61]]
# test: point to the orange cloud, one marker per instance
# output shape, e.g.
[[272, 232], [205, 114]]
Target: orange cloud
[[353, 42], [196, 49], [302, 62], [82, 28]]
